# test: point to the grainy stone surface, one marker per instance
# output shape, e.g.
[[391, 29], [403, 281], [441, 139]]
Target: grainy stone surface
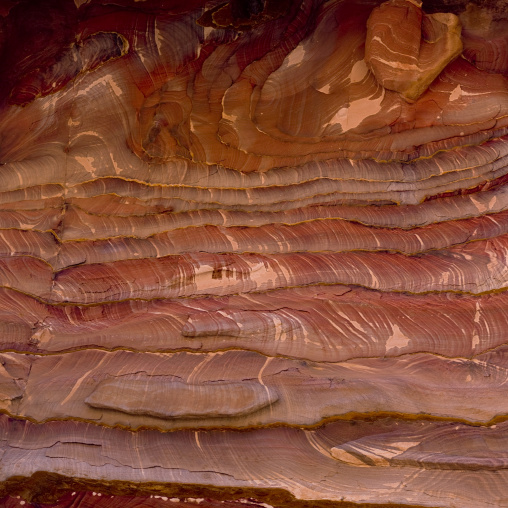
[[253, 253]]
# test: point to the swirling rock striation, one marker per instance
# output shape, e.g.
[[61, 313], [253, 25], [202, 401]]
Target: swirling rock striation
[[253, 253]]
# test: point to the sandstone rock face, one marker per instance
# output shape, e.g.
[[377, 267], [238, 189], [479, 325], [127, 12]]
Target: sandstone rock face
[[407, 49], [253, 253]]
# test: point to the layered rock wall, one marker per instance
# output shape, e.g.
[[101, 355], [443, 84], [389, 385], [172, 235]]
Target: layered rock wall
[[253, 253]]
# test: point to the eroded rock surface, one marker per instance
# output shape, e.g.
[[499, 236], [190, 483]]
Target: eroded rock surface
[[253, 253]]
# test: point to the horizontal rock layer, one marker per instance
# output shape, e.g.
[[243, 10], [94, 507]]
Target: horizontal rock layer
[[253, 253]]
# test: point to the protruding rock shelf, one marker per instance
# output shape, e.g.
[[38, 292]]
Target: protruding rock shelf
[[253, 253]]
